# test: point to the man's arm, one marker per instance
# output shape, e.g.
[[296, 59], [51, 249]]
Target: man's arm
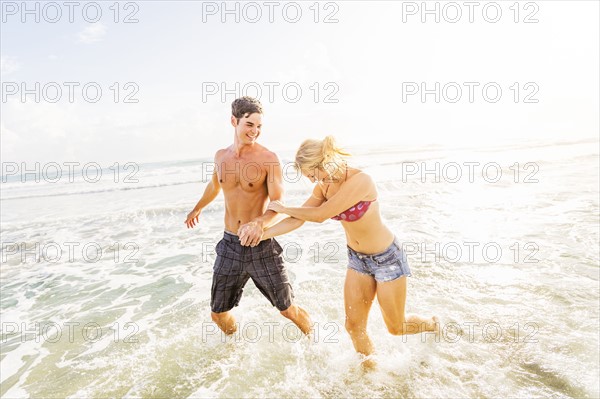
[[275, 190], [210, 193], [251, 233]]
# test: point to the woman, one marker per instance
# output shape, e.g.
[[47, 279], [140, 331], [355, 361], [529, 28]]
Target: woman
[[377, 263]]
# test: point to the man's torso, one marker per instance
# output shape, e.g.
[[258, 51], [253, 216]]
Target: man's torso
[[243, 180]]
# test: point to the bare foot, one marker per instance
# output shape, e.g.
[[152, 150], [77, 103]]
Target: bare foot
[[368, 364], [434, 325]]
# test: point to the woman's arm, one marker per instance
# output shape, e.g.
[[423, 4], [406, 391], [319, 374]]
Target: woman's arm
[[361, 186], [290, 223], [285, 226]]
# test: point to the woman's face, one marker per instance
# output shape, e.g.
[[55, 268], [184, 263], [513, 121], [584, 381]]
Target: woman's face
[[317, 175]]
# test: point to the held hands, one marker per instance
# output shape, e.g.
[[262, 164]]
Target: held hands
[[192, 218], [250, 233], [276, 206]]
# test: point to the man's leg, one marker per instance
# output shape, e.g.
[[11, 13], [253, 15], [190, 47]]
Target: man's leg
[[225, 321], [279, 292], [268, 273], [299, 316], [229, 279]]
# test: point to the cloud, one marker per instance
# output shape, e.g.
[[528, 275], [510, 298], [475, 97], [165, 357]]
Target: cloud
[[92, 33], [8, 65]]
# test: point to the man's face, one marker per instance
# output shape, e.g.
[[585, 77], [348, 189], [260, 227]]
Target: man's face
[[248, 128]]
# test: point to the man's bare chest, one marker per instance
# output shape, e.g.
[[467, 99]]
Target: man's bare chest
[[240, 173]]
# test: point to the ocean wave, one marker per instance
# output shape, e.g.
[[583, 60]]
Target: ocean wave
[[125, 188]]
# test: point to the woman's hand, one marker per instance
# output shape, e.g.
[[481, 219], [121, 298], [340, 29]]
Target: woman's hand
[[276, 206]]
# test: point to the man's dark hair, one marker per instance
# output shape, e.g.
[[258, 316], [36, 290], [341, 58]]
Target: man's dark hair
[[245, 106]]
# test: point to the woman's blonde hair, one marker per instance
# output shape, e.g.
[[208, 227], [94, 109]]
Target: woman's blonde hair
[[324, 154]]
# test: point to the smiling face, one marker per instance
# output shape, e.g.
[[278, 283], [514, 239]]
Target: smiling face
[[247, 128]]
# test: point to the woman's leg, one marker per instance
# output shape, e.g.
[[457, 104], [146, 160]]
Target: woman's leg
[[359, 292], [392, 298]]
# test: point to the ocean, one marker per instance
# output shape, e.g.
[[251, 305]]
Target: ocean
[[106, 293]]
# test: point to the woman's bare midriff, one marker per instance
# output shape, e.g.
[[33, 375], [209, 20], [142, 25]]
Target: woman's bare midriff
[[368, 235]]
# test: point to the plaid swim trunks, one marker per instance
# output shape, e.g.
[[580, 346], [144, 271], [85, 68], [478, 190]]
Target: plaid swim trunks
[[235, 264]]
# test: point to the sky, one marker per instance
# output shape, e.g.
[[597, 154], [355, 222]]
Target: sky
[[168, 72]]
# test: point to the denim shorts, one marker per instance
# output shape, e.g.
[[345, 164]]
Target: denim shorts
[[383, 266]]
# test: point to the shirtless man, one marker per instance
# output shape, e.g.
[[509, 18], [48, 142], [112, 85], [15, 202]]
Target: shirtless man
[[249, 175]]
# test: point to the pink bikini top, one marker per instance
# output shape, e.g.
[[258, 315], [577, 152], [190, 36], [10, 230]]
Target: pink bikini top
[[354, 213]]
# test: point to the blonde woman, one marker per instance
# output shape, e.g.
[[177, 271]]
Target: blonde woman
[[377, 264]]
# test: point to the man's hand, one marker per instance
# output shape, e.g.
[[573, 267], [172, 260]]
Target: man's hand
[[276, 206], [192, 218], [250, 233]]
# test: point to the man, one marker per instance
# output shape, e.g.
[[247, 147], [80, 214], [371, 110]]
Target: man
[[249, 175]]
